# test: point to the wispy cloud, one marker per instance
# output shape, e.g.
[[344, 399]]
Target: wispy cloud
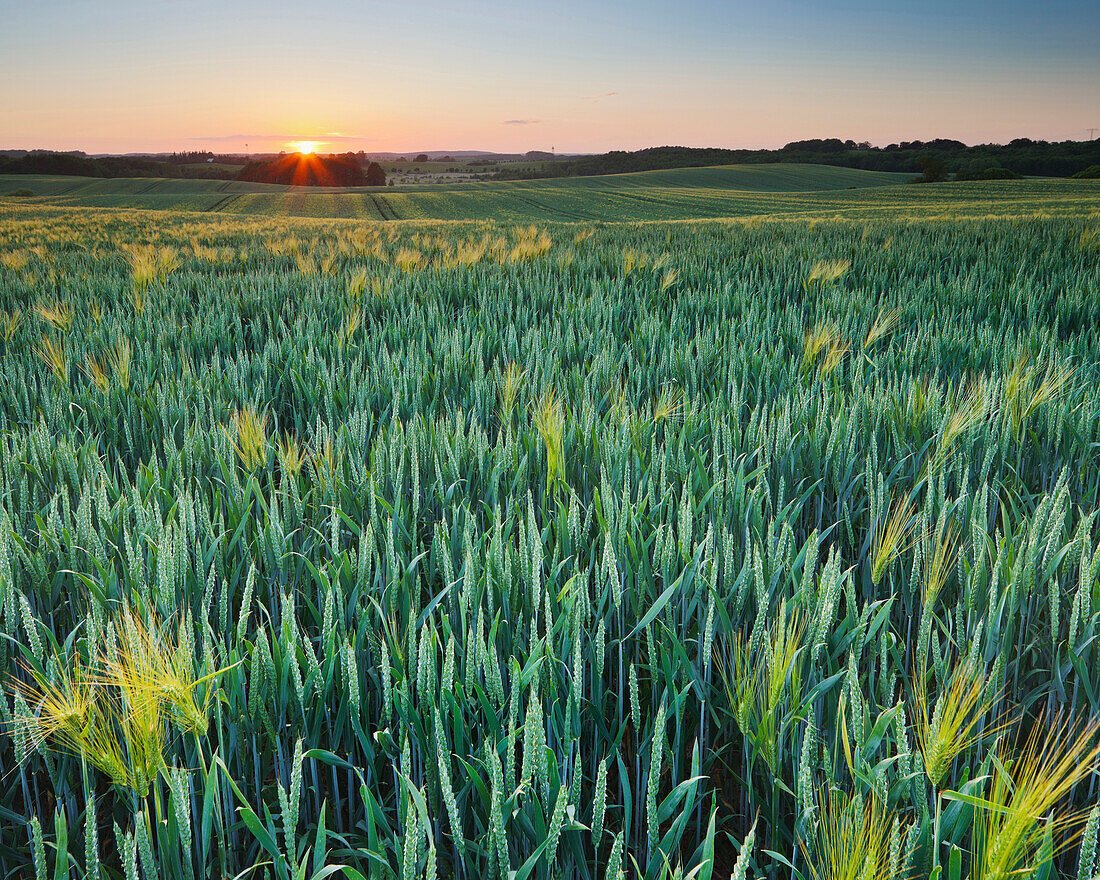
[[261, 138], [521, 122], [595, 98]]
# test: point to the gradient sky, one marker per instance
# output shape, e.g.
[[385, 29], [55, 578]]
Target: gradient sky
[[577, 75]]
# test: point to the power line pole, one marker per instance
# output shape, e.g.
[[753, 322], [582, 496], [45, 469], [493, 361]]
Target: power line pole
[[1092, 133]]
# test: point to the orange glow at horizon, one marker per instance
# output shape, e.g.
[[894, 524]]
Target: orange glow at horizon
[[305, 147]]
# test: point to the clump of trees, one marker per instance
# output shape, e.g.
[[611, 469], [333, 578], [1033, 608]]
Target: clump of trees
[[190, 157], [933, 169], [375, 176], [300, 169]]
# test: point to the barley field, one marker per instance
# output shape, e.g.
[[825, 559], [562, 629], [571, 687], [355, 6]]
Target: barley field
[[746, 548]]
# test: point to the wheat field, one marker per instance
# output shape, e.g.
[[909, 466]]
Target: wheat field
[[742, 548], [767, 191]]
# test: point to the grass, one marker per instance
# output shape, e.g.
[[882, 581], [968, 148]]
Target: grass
[[741, 547]]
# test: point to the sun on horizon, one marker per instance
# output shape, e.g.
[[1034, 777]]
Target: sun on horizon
[[305, 147]]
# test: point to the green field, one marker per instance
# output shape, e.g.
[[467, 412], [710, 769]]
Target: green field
[[750, 547], [679, 194]]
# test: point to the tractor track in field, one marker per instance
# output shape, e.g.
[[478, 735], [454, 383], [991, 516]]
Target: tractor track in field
[[70, 189], [222, 202], [568, 215], [389, 207], [379, 201]]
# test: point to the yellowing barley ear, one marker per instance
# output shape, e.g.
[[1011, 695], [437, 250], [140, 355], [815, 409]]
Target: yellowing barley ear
[[58, 315], [531, 242], [631, 261], [825, 272], [549, 418], [118, 359], [669, 279], [1025, 794], [322, 464], [850, 840], [10, 323], [291, 455], [143, 272], [891, 537], [16, 261], [357, 284], [884, 324], [352, 321], [669, 405], [823, 337], [95, 371], [168, 261], [470, 253], [96, 311], [510, 383], [155, 669], [53, 356], [61, 708], [939, 563], [967, 410], [1028, 387], [834, 357], [87, 714], [952, 726], [149, 264], [762, 682], [251, 439], [408, 259]]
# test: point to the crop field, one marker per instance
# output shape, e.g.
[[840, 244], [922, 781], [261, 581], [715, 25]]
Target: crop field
[[681, 194], [523, 551]]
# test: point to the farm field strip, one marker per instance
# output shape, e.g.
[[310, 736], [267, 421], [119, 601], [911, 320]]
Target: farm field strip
[[681, 195]]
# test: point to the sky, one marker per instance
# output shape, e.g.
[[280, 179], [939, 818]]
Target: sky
[[570, 75]]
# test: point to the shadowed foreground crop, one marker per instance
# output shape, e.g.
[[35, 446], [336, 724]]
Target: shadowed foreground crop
[[480, 550]]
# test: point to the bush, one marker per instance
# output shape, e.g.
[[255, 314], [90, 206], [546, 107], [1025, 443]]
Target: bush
[[933, 169], [988, 174], [1090, 173], [376, 176]]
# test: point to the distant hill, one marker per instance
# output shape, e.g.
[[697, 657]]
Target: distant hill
[[299, 169]]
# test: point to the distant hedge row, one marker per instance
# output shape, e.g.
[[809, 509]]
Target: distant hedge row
[[1022, 156]]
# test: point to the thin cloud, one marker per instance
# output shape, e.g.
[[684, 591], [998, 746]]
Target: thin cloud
[[595, 98], [521, 122], [320, 138]]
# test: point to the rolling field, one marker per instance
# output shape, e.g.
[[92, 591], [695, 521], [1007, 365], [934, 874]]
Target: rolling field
[[757, 547], [680, 194]]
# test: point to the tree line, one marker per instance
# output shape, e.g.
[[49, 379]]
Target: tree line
[[108, 166], [1022, 156], [297, 169]]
